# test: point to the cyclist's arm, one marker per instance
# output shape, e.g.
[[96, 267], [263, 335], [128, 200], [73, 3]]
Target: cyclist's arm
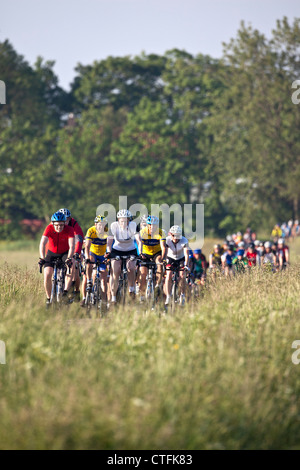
[[139, 242], [163, 249], [43, 243], [71, 247], [109, 244], [87, 248], [79, 236], [186, 255]]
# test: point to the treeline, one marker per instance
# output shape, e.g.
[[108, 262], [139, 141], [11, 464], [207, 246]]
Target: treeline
[[176, 128]]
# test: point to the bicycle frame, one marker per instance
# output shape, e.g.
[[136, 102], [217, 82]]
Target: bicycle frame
[[58, 281], [150, 280], [123, 279], [175, 297]]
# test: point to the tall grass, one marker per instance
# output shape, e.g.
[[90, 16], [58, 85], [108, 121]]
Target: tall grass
[[217, 375]]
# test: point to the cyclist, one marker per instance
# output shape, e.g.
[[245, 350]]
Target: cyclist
[[269, 258], [177, 257], [120, 242], [152, 247], [215, 258], [283, 254], [78, 247], [60, 239], [251, 255], [95, 248], [199, 266], [227, 259], [276, 232], [240, 261]]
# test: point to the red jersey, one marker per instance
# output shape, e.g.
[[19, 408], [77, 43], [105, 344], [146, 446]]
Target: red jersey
[[251, 258], [58, 242], [78, 235]]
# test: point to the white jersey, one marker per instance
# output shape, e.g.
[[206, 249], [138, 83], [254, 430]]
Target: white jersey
[[176, 250], [123, 238]]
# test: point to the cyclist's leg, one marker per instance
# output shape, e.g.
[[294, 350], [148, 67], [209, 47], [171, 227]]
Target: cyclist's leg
[[168, 283], [158, 260], [114, 277], [48, 273], [143, 275], [131, 265]]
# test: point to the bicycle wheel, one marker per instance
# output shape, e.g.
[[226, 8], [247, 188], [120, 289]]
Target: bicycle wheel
[[96, 293], [60, 285], [53, 292], [174, 295], [150, 292]]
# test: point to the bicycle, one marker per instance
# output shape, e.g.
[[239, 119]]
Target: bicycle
[[58, 280], [123, 278], [94, 296], [150, 281], [175, 294]]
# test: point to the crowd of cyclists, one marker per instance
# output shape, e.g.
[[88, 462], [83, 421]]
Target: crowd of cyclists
[[144, 243]]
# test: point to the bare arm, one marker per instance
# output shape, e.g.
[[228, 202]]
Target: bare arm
[[163, 248], [71, 247], [87, 248], [43, 243]]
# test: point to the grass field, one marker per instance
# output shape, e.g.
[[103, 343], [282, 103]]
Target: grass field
[[217, 375]]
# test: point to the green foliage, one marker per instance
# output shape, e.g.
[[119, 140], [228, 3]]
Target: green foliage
[[158, 129]]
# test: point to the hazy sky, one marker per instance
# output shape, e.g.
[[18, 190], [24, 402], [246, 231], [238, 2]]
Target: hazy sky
[[72, 31]]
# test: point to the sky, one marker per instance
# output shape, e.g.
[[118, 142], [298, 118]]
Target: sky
[[77, 31]]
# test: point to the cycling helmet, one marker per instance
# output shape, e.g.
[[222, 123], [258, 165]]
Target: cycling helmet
[[198, 251], [100, 218], [268, 245], [58, 217], [217, 246], [191, 253], [241, 244], [257, 242], [176, 231], [240, 252], [143, 219], [124, 213], [251, 245], [152, 220], [280, 241], [66, 212]]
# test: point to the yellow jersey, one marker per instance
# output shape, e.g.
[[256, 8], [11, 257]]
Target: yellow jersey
[[151, 242], [98, 246]]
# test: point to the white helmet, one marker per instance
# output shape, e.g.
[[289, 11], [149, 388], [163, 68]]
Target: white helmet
[[268, 245], [280, 241], [241, 244], [257, 242], [124, 213], [176, 231]]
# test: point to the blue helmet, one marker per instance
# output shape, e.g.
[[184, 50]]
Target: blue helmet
[[198, 251], [66, 212], [191, 253], [152, 220], [58, 217], [240, 252]]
